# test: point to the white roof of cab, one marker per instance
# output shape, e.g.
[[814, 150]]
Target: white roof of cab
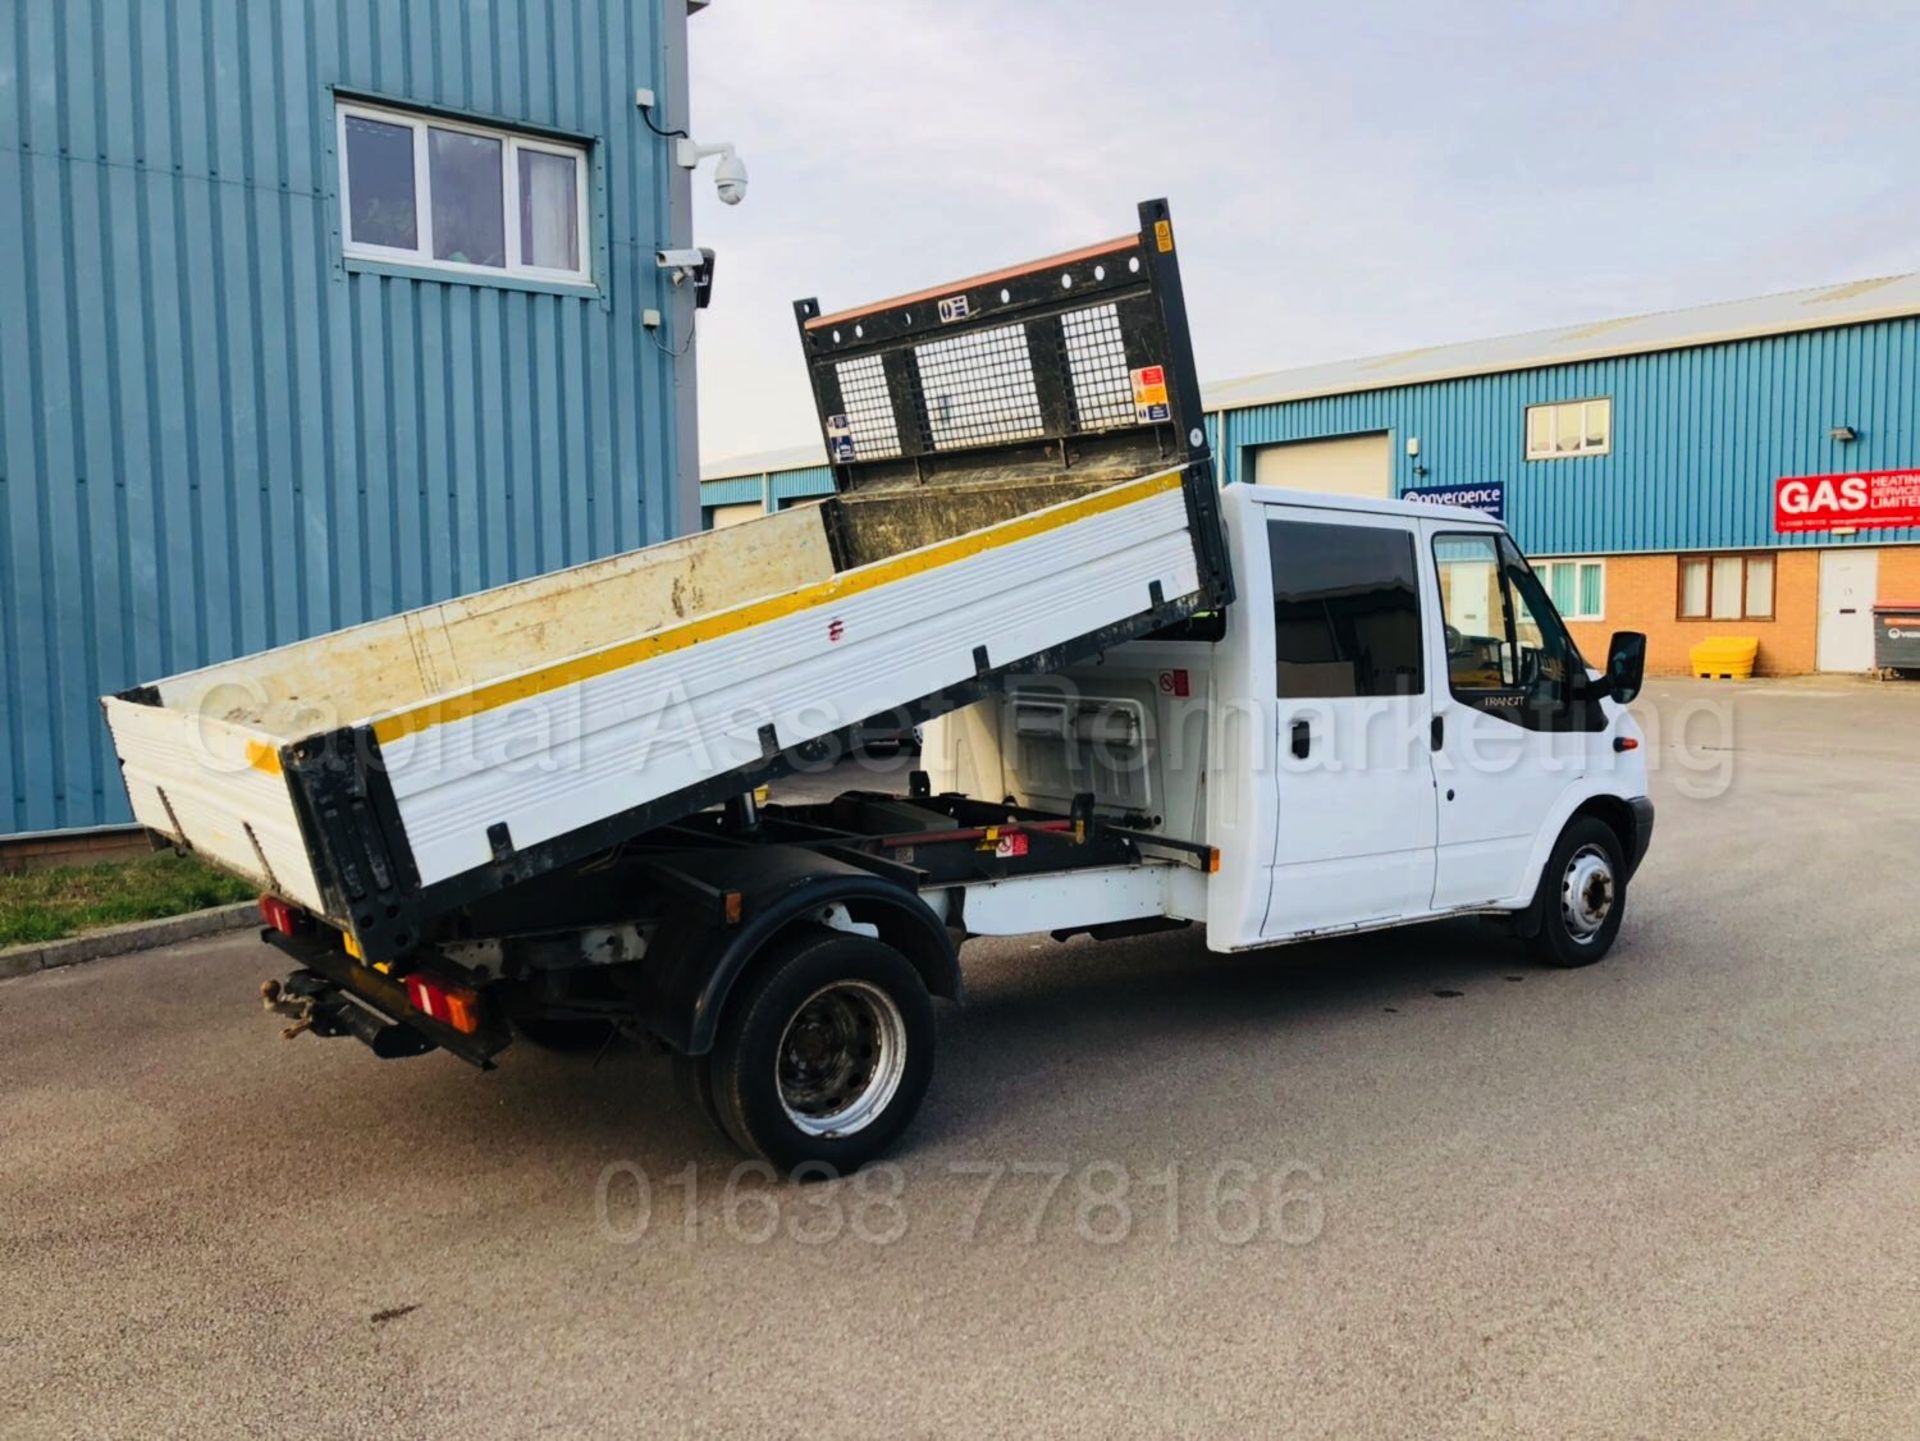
[[1366, 504], [1855, 303]]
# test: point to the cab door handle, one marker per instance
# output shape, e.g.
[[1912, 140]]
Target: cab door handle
[[1437, 733], [1302, 739]]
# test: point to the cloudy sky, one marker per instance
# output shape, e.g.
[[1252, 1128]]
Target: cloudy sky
[[1346, 179]]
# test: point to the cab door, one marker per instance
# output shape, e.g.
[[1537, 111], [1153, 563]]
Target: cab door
[[1350, 777], [1512, 714]]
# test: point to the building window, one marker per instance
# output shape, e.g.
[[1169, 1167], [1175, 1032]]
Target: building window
[[1726, 587], [470, 199], [1578, 587], [1571, 427]]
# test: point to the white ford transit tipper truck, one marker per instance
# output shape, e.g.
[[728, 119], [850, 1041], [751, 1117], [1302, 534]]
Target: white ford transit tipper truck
[[536, 812]]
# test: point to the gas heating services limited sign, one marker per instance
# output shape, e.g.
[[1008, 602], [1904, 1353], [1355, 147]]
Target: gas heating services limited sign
[[1876, 498]]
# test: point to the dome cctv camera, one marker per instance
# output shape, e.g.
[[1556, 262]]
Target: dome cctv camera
[[729, 175], [730, 179]]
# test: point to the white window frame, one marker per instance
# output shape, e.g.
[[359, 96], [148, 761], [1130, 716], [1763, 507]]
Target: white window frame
[[1544, 569], [1552, 407], [512, 142]]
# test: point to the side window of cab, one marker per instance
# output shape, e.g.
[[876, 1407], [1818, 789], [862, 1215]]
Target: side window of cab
[[1507, 652], [1346, 611]]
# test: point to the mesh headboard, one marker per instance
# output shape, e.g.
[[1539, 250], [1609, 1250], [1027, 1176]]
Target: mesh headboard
[[1078, 364]]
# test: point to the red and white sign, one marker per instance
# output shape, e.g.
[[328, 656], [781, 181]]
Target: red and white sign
[[1840, 502]]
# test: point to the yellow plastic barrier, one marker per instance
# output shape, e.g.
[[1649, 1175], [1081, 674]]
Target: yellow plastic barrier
[[1725, 657]]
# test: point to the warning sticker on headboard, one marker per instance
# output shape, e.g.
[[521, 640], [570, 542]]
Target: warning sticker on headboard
[[1150, 395], [839, 440]]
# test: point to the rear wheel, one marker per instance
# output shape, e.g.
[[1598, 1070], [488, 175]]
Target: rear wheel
[[1582, 896], [693, 1079], [825, 1051]]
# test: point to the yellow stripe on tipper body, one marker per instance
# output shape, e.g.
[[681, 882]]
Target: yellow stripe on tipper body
[[727, 622]]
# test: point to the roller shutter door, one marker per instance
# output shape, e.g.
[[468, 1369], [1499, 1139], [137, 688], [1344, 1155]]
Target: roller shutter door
[[1350, 465]]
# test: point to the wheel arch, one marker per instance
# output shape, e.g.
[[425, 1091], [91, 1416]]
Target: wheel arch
[[1612, 810], [696, 969]]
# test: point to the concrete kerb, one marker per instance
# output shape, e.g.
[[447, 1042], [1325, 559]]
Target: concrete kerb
[[119, 940]]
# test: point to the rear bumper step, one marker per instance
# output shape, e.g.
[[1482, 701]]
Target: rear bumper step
[[333, 995]]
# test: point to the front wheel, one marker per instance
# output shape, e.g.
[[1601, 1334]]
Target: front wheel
[[825, 1051], [1582, 896]]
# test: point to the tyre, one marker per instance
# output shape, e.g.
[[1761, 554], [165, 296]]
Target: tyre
[[1582, 895], [825, 1051], [569, 1035], [693, 1079]]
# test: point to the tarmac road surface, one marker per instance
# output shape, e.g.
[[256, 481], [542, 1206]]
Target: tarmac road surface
[[1402, 1185]]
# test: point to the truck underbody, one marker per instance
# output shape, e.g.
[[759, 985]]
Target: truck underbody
[[626, 937]]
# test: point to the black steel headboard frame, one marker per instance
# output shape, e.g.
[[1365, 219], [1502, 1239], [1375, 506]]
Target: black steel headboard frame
[[1080, 362]]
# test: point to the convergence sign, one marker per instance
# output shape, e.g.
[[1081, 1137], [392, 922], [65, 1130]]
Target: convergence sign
[[1830, 502]]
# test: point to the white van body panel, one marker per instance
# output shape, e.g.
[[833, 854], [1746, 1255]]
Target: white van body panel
[[1375, 828], [199, 780], [616, 740], [1352, 787], [551, 705]]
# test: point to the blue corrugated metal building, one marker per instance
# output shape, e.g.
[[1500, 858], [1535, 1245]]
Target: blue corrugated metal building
[[311, 313], [1636, 459]]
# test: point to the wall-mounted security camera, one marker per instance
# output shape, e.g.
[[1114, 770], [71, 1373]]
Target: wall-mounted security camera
[[689, 265], [729, 176]]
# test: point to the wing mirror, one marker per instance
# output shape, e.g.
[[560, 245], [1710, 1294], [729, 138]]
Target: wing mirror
[[1626, 665]]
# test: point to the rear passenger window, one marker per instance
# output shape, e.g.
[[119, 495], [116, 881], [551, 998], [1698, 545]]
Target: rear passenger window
[[1346, 611]]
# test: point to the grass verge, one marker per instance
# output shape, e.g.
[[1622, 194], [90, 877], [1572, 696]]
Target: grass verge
[[66, 900]]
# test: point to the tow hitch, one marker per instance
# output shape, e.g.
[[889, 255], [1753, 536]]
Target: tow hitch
[[333, 995], [313, 1003]]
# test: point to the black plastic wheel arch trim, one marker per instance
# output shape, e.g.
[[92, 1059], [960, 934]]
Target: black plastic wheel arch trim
[[689, 974]]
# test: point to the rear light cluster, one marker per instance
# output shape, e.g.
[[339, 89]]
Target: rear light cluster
[[442, 1001], [282, 917]]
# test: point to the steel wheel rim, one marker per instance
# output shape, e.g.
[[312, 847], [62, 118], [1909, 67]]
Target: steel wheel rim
[[1587, 892], [841, 1058]]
